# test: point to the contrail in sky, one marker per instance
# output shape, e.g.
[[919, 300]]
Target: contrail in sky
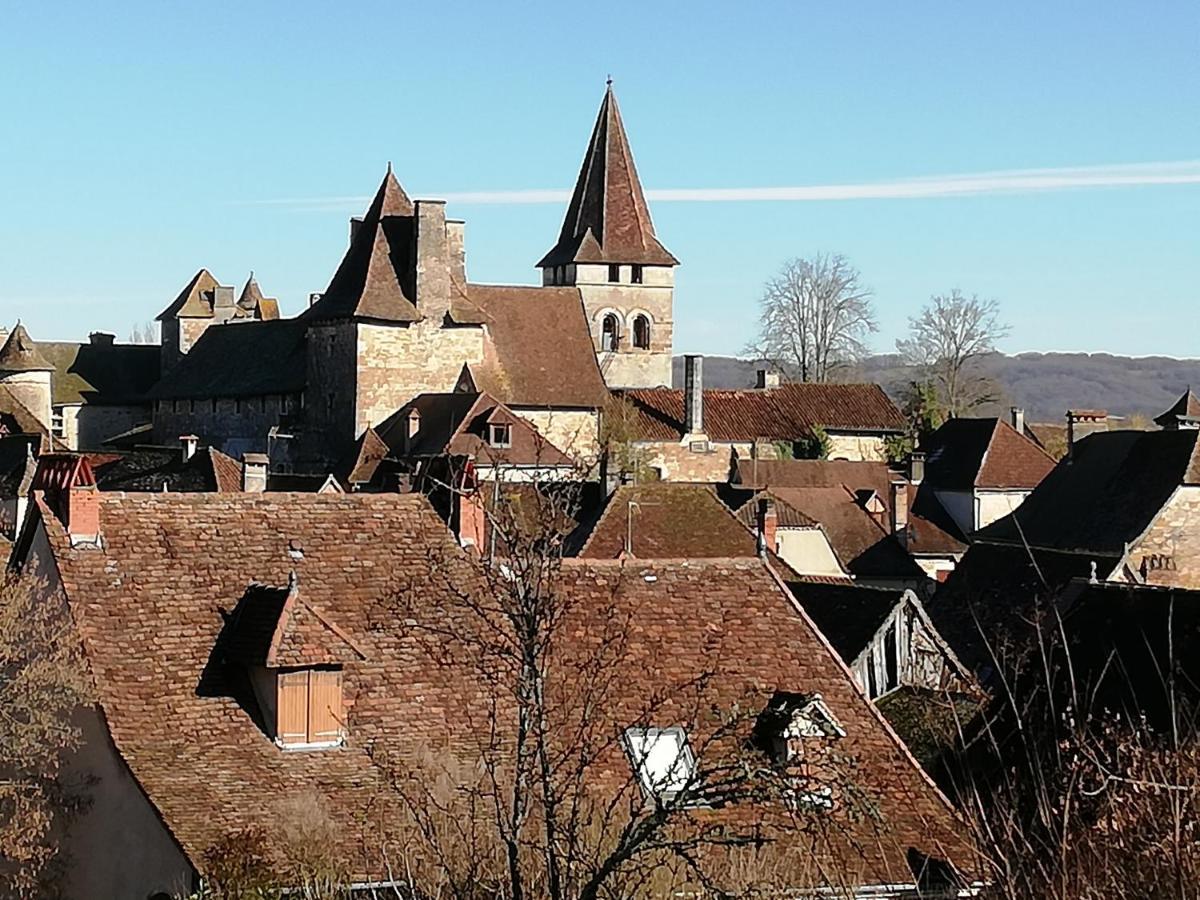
[[1014, 181]]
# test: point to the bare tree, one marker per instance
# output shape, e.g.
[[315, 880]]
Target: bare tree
[[814, 317], [948, 342], [145, 333], [42, 683]]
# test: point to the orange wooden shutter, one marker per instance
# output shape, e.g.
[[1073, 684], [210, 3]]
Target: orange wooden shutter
[[324, 705], [292, 725]]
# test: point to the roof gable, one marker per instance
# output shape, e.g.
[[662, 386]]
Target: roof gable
[[20, 353], [195, 301], [1185, 410], [988, 453]]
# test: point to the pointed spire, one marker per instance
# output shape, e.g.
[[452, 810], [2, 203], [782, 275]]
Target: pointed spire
[[390, 199], [251, 297], [20, 353], [607, 219], [195, 300]]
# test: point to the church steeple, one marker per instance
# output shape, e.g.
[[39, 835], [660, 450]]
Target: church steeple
[[608, 220]]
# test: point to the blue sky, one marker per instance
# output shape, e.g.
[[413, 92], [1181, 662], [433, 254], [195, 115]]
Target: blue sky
[[145, 141]]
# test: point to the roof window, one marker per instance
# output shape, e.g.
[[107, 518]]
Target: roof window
[[662, 761]]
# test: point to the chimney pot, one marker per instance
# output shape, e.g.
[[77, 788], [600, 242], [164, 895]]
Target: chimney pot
[[1018, 419], [916, 467], [693, 395], [254, 472]]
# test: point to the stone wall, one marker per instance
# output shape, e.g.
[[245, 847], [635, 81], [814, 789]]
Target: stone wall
[[629, 366], [331, 367], [576, 432], [674, 461], [233, 426], [1169, 552], [91, 426], [807, 551], [33, 390], [857, 447]]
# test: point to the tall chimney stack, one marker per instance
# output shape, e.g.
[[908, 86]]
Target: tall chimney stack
[[254, 472], [693, 394], [900, 511], [1018, 419], [768, 524]]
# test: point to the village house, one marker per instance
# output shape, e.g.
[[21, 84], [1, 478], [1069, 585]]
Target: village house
[[699, 434], [277, 676]]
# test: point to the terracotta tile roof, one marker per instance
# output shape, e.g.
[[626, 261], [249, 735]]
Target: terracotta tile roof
[[100, 374], [163, 468], [360, 466], [787, 412], [241, 359], [964, 454], [182, 717], [1106, 495], [1185, 409], [195, 301], [457, 424], [607, 219], [670, 521], [376, 278], [539, 350], [20, 353]]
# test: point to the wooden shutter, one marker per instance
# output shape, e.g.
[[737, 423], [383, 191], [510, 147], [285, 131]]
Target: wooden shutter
[[324, 705], [292, 724]]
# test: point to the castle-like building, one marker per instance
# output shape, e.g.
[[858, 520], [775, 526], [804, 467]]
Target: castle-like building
[[400, 318]]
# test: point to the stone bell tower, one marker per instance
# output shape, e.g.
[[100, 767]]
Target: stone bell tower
[[608, 250]]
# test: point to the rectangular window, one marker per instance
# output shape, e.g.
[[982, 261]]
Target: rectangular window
[[309, 707], [635, 273], [662, 760], [500, 434], [57, 427], [614, 273]]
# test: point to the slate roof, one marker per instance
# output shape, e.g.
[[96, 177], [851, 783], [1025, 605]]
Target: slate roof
[[163, 468], [99, 374], [671, 520], [20, 353], [1185, 410], [964, 454], [1106, 494], [376, 279], [607, 218], [848, 615], [788, 412], [240, 359], [540, 350], [182, 716]]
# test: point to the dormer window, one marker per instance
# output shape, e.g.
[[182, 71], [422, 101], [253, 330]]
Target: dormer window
[[796, 730], [499, 435], [614, 273], [662, 760], [310, 711]]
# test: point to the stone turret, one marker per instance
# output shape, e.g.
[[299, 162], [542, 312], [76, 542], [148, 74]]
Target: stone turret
[[26, 374], [607, 248]]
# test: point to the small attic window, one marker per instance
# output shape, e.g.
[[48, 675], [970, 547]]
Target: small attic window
[[662, 760], [309, 709], [635, 273], [500, 434], [614, 273]]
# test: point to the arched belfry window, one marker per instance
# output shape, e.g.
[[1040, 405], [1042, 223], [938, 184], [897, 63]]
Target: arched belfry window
[[610, 332], [641, 332]]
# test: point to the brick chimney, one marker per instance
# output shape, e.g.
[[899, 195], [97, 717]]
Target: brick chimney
[[187, 445], [1081, 423], [1018, 419], [768, 524], [693, 395], [900, 511], [433, 260], [67, 483], [472, 521], [254, 472], [916, 467]]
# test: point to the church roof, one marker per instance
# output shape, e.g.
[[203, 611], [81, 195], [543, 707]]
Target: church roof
[[1185, 409], [608, 219], [376, 277], [20, 353]]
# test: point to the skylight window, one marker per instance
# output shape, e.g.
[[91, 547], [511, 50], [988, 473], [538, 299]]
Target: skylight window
[[662, 761]]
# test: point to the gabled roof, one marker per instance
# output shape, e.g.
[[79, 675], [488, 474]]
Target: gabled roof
[[849, 615], [240, 359], [276, 627], [964, 454], [376, 279], [195, 301], [1185, 410], [185, 721], [539, 350], [100, 373], [788, 412], [456, 424], [363, 461], [607, 219], [1106, 494], [21, 354], [164, 469], [669, 521]]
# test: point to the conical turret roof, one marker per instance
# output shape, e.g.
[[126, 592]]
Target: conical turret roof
[[607, 219], [20, 353]]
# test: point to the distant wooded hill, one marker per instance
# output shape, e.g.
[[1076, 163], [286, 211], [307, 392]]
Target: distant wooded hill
[[1045, 384]]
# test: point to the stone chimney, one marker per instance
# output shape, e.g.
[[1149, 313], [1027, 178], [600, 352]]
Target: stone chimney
[[355, 224], [767, 379], [188, 444], [1018, 419], [768, 524], [916, 467], [101, 339], [412, 427], [254, 472], [223, 298], [433, 260], [693, 395], [900, 511], [1081, 423], [456, 245]]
